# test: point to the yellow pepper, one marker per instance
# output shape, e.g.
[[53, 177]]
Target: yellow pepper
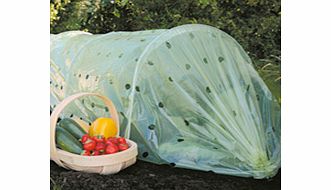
[[103, 126]]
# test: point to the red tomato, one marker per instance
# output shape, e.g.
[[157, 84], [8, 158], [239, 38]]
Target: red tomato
[[89, 145], [86, 153], [121, 140], [96, 153], [111, 140], [100, 146], [122, 147], [111, 149], [99, 138], [84, 138]]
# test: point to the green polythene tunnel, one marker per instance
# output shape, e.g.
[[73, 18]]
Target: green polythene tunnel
[[189, 96]]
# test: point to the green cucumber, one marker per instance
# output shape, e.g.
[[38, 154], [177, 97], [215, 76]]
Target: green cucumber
[[72, 127], [67, 142]]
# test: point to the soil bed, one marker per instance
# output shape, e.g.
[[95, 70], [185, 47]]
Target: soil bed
[[144, 175]]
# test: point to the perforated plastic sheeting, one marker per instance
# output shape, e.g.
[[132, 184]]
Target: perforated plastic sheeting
[[189, 96]]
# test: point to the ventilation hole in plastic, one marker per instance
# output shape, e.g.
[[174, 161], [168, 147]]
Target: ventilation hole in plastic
[[122, 114], [234, 113], [170, 79], [145, 154], [208, 89], [215, 148], [137, 89], [79, 75], [81, 118], [120, 55], [89, 123], [50, 82], [136, 60], [110, 81], [72, 115], [142, 40], [87, 76], [172, 164], [61, 87], [257, 97], [186, 122], [161, 105], [127, 86], [187, 66], [180, 140], [150, 63], [191, 35], [92, 105], [58, 120], [247, 88], [220, 59], [205, 60], [151, 127], [56, 85], [106, 109], [168, 45], [83, 101], [96, 78]]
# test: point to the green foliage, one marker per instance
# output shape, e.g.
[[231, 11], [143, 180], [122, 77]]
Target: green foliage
[[255, 24], [269, 70]]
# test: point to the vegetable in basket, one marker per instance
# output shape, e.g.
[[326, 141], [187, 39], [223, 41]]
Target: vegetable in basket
[[67, 141], [105, 127], [72, 127], [98, 145]]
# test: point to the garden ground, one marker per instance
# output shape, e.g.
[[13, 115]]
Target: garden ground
[[144, 175]]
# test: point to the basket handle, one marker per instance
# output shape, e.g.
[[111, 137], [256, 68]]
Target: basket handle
[[58, 109]]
